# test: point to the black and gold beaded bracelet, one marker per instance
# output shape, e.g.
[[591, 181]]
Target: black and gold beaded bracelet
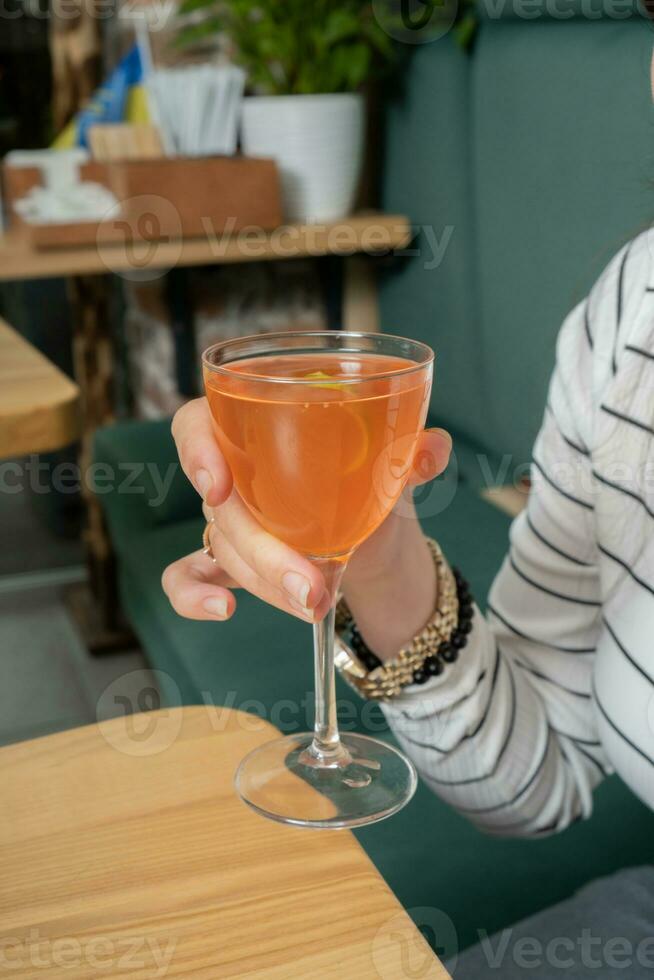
[[439, 643]]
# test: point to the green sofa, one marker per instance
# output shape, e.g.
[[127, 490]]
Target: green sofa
[[535, 150]]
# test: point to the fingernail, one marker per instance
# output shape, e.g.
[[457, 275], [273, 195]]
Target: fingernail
[[309, 613], [203, 483], [297, 586], [216, 606]]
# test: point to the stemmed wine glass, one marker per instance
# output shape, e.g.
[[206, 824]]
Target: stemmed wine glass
[[320, 431]]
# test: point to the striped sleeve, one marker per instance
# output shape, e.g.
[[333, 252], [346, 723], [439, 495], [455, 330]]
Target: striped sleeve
[[508, 734]]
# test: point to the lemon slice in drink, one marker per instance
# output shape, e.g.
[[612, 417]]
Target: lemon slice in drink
[[325, 381], [357, 441], [356, 438]]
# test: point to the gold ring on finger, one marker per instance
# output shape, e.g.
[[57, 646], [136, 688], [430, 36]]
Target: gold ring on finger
[[206, 541]]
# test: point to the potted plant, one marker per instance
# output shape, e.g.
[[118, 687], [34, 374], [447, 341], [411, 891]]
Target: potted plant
[[307, 63]]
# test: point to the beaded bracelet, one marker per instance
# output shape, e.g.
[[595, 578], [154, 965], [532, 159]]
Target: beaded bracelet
[[437, 645]]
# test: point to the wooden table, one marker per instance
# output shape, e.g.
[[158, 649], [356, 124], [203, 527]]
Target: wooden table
[[39, 405], [125, 852], [87, 270]]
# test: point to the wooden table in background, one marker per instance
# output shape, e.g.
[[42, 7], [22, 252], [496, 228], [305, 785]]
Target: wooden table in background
[[125, 852], [87, 269], [39, 405]]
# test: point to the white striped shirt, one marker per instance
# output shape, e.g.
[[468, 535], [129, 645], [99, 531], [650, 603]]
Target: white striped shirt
[[556, 687]]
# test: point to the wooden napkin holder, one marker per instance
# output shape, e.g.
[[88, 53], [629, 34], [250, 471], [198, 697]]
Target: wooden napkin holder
[[167, 198]]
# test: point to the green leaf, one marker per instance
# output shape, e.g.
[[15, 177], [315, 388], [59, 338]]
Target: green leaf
[[288, 46], [338, 68], [358, 65], [466, 30], [380, 40], [341, 25]]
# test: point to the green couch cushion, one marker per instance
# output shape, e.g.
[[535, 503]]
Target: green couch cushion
[[535, 150], [562, 162], [146, 486]]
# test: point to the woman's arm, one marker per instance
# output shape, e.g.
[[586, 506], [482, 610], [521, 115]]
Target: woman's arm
[[507, 735], [391, 585]]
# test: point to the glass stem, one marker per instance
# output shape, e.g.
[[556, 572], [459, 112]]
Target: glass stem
[[327, 747]]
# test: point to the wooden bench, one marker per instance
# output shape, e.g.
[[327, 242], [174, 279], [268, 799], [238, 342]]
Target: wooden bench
[[39, 405]]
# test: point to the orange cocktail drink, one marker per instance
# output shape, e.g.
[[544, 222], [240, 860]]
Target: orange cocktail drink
[[320, 432], [322, 461]]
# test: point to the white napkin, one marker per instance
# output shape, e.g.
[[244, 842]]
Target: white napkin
[[80, 202]]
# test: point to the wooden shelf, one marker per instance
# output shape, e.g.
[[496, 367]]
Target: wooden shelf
[[371, 233]]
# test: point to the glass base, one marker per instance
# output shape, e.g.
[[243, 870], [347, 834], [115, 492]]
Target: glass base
[[366, 781]]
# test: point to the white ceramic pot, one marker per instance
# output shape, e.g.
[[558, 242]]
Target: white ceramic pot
[[317, 141]]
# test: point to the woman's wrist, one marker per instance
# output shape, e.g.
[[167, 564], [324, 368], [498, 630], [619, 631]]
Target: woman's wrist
[[391, 587]]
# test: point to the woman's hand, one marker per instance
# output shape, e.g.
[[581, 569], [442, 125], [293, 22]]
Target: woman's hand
[[250, 558]]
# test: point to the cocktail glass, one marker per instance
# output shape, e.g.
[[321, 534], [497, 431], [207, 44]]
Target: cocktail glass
[[320, 431]]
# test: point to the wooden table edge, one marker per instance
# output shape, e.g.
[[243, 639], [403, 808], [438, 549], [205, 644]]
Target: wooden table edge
[[50, 418]]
